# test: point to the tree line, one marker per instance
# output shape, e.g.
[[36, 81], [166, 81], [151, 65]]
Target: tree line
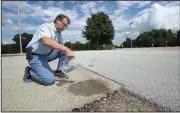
[[154, 38], [15, 48]]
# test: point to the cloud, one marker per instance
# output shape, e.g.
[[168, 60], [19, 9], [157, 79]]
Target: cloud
[[158, 17], [151, 16], [73, 36], [88, 8], [8, 42], [119, 11], [128, 3], [29, 28], [9, 30], [10, 16], [155, 17], [124, 5], [144, 3], [9, 21], [131, 3], [88, 5], [174, 3], [11, 5]]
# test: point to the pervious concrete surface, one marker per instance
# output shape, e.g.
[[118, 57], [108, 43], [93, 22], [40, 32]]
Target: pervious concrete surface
[[82, 87], [151, 72]]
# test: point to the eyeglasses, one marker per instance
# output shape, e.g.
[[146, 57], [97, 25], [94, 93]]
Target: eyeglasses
[[65, 25]]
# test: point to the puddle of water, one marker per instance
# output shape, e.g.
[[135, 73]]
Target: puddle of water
[[88, 88], [63, 82]]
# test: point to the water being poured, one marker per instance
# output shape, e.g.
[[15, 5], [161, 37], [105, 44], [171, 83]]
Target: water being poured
[[69, 65]]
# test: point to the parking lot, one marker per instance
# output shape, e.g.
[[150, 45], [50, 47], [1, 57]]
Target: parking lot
[[151, 72]]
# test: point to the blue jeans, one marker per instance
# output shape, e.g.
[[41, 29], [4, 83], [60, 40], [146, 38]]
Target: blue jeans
[[41, 71]]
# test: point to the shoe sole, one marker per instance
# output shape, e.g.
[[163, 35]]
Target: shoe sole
[[27, 81], [62, 77], [24, 79]]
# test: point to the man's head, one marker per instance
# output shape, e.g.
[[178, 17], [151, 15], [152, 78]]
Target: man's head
[[61, 22]]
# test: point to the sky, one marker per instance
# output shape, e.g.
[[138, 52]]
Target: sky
[[145, 15]]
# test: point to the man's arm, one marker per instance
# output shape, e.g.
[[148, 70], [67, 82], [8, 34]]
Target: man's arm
[[52, 44]]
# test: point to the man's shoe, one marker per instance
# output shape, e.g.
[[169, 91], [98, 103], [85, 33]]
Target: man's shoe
[[61, 74], [27, 76]]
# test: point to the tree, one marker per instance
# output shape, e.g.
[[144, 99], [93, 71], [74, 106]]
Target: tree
[[172, 37], [2, 43], [68, 44], [25, 38], [157, 37], [128, 42], [99, 29]]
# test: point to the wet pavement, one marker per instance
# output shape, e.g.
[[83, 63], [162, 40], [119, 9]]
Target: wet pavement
[[88, 88]]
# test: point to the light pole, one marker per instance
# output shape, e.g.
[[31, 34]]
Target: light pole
[[130, 33], [19, 30], [89, 43]]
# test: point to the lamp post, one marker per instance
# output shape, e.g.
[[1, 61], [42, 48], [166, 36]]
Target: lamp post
[[19, 30], [89, 43], [130, 33]]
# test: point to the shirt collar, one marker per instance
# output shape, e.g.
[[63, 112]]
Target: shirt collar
[[54, 28]]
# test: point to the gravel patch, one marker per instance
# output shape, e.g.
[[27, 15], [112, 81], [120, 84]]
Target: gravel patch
[[122, 100]]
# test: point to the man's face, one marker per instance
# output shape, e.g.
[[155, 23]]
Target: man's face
[[61, 24]]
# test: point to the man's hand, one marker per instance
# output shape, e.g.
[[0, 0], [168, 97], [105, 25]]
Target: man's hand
[[52, 44], [69, 53]]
